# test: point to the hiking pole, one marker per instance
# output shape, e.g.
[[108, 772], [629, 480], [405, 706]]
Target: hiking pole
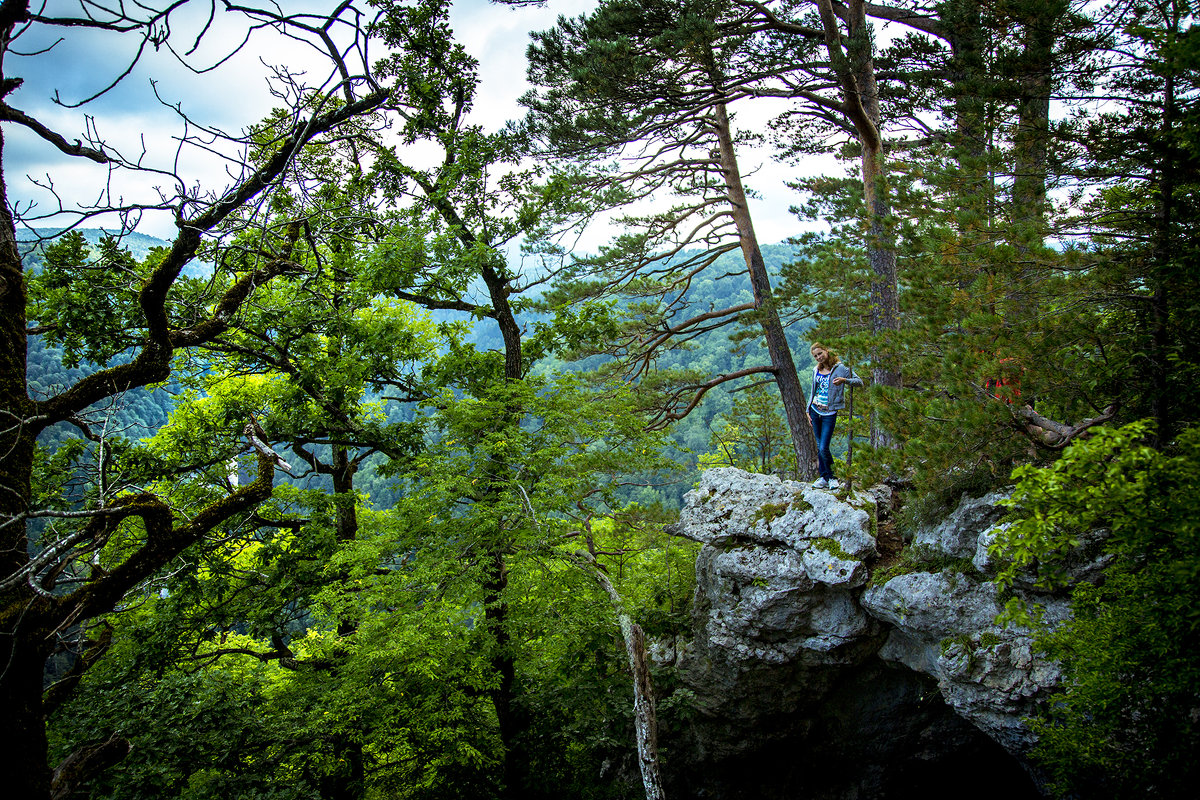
[[850, 436]]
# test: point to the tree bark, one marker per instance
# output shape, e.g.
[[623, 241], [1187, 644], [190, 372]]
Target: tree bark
[[963, 31], [23, 758], [645, 719], [784, 369], [23, 641], [1031, 139], [860, 100]]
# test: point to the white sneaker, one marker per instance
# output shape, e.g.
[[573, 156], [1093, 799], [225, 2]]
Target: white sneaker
[[833, 483], [820, 483]]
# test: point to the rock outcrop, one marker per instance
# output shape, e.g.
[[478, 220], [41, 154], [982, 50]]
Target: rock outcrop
[[792, 649]]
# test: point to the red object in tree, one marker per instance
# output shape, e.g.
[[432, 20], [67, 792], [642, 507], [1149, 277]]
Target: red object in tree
[[994, 385]]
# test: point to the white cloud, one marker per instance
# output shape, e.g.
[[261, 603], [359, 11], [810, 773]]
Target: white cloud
[[236, 95], [498, 36]]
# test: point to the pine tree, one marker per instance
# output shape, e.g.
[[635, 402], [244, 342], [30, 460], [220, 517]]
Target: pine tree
[[652, 83]]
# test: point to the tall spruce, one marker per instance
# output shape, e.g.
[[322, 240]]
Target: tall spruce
[[969, 83]]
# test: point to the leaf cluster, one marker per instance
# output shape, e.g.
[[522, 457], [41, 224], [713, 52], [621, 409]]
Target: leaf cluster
[[1123, 726]]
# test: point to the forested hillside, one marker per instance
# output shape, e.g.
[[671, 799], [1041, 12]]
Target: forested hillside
[[140, 412], [133, 414], [357, 487]]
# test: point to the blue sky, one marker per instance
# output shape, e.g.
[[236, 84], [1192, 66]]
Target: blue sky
[[236, 95]]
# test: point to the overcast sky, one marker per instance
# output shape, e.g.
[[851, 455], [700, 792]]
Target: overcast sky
[[236, 95]]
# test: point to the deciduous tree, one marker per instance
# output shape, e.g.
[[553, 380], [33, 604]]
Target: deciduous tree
[[130, 532]]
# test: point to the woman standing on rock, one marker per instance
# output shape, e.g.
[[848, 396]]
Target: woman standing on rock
[[828, 397]]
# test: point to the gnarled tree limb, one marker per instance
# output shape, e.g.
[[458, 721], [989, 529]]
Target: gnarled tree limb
[[1054, 435]]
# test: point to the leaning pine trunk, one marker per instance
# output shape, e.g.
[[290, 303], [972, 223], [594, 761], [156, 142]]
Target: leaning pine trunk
[[783, 368]]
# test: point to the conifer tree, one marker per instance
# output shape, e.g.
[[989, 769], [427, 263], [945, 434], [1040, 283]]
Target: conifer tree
[[652, 83], [1139, 152]]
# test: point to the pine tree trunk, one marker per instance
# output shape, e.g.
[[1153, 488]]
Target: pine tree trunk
[[790, 391], [884, 290], [884, 316], [1159, 310], [1032, 137], [974, 179], [1031, 141]]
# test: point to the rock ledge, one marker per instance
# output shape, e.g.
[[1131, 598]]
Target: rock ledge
[[783, 617]]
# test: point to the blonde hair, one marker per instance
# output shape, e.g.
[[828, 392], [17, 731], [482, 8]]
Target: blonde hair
[[833, 359]]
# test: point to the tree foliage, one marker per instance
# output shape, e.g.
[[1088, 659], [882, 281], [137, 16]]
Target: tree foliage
[[357, 487], [1125, 726]]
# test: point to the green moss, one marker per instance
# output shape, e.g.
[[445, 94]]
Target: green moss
[[832, 546], [970, 647], [799, 502], [881, 576], [963, 639], [770, 512], [922, 558]]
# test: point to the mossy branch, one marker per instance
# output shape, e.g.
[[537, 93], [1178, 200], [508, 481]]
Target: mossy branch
[[164, 540]]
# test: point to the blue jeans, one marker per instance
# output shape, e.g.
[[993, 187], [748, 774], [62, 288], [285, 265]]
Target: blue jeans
[[823, 430]]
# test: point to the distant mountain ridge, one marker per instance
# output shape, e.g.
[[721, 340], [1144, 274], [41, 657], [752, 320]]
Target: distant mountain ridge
[[138, 244]]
